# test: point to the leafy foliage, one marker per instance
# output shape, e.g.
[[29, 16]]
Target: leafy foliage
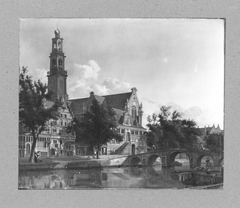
[[214, 142], [32, 112], [97, 126], [168, 130]]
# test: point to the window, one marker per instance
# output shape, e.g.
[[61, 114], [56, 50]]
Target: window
[[53, 62], [134, 112], [59, 45], [136, 132], [56, 145], [41, 144], [61, 123], [65, 115], [55, 141], [132, 132], [122, 131], [65, 123], [60, 62]]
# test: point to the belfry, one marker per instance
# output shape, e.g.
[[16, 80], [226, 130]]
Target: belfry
[[57, 76]]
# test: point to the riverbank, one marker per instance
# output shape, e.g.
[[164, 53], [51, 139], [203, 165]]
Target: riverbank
[[71, 162]]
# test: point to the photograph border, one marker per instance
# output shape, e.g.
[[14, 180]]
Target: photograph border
[[10, 14]]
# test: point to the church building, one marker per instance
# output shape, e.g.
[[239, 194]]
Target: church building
[[56, 141], [129, 119]]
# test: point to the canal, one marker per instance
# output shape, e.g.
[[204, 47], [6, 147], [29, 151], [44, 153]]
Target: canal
[[102, 178]]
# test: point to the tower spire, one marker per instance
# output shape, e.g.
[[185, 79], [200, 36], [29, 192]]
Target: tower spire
[[57, 76]]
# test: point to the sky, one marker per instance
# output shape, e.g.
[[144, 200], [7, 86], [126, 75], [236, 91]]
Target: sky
[[173, 62]]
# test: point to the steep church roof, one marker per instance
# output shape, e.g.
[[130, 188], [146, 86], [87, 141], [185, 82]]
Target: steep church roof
[[78, 106], [99, 99], [118, 100]]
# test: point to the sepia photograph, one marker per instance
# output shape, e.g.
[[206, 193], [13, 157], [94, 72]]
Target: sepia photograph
[[121, 103]]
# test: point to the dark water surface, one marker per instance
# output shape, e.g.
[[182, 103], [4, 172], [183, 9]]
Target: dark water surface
[[131, 177]]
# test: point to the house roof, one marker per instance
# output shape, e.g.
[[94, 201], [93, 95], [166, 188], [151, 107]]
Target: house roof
[[99, 99], [119, 115], [78, 106], [117, 100], [48, 103], [209, 130]]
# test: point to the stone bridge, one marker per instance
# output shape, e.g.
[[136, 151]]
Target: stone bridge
[[168, 156]]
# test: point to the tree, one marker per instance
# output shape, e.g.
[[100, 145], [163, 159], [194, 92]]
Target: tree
[[32, 112], [169, 130], [214, 142], [96, 127]]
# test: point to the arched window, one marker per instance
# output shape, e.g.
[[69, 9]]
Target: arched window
[[128, 137], [53, 62], [134, 112], [60, 62], [59, 45], [28, 148]]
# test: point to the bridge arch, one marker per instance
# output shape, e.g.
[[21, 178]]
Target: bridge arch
[[135, 161], [173, 155], [136, 166], [199, 159], [153, 159]]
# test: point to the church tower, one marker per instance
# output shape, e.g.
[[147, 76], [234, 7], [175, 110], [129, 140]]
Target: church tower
[[57, 76]]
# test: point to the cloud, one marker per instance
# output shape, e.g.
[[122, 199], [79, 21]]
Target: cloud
[[90, 71], [39, 74], [111, 86], [114, 85], [84, 80], [99, 89], [152, 101], [82, 77], [202, 116]]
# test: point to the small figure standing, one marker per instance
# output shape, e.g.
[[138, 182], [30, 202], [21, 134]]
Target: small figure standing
[[208, 166]]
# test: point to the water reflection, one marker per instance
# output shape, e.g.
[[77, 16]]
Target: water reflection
[[131, 177]]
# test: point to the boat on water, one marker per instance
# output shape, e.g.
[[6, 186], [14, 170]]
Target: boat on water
[[199, 179]]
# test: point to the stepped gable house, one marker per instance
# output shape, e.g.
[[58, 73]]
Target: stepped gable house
[[55, 141]]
